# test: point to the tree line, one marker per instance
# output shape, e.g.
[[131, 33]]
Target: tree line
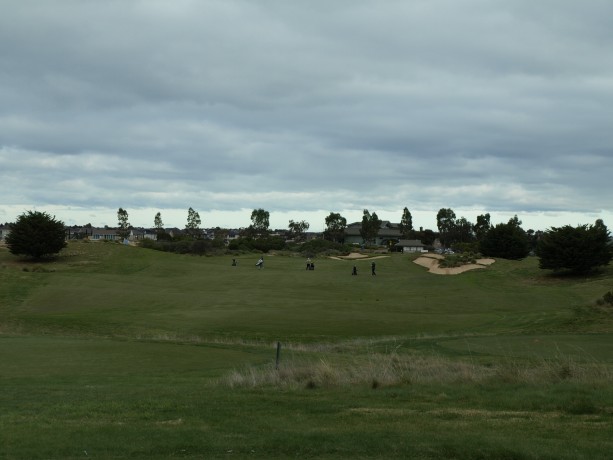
[[577, 249]]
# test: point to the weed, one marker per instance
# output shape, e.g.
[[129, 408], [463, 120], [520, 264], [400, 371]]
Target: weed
[[606, 300], [581, 406]]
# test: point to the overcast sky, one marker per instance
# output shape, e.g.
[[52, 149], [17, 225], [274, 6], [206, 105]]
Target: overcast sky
[[306, 108]]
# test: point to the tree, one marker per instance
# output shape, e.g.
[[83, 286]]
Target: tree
[[577, 249], [507, 241], [445, 222], [462, 231], [426, 236], [220, 235], [370, 227], [260, 221], [192, 228], [297, 229], [157, 222], [124, 225], [37, 235], [335, 227], [161, 234], [406, 224], [482, 226]]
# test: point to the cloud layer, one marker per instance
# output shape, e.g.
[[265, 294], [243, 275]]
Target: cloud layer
[[503, 106]]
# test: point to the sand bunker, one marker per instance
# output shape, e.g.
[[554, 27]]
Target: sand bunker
[[356, 256], [431, 262]]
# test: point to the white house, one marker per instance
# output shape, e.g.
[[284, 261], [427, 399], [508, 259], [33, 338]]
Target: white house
[[411, 246], [4, 232]]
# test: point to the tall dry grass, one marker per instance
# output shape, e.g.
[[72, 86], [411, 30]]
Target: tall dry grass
[[381, 370]]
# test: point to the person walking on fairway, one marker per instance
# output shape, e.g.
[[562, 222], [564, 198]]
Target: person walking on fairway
[[260, 263], [372, 268], [354, 271]]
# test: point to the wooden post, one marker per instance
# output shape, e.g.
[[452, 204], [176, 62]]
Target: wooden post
[[278, 355]]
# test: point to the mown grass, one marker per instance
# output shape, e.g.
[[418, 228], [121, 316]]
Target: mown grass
[[119, 352]]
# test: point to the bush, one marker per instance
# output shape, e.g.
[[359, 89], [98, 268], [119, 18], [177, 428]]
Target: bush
[[576, 249], [507, 241], [265, 244], [313, 247], [37, 235], [466, 247], [457, 260], [606, 300], [186, 246]]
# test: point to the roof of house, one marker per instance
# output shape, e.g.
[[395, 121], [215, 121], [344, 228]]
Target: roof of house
[[410, 243], [103, 231]]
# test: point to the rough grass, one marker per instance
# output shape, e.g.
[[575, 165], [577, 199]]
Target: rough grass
[[389, 370], [118, 352]]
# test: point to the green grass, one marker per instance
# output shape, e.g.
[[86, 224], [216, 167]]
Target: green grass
[[119, 352]]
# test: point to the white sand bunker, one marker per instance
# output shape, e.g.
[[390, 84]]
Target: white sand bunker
[[356, 256], [431, 262]]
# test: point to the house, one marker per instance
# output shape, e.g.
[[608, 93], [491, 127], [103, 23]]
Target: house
[[175, 232], [388, 232], [4, 231], [78, 233], [101, 234], [410, 246], [137, 234]]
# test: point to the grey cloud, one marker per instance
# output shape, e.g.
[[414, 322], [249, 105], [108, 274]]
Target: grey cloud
[[307, 106]]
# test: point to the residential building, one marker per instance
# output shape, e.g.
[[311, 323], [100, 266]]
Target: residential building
[[388, 233], [4, 231], [410, 246]]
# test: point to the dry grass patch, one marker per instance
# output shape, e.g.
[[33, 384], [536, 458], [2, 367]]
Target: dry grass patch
[[384, 370]]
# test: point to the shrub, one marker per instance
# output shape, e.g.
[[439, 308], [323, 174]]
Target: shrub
[[606, 300], [576, 249], [466, 247], [507, 241], [313, 247], [457, 260], [265, 244], [37, 235], [186, 246]]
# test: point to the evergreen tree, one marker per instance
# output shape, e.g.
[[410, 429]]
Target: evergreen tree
[[37, 235], [406, 224], [162, 235], [124, 225], [157, 222], [192, 227], [297, 229], [445, 222], [260, 221], [335, 227], [507, 241], [462, 231], [370, 227], [576, 249], [482, 226]]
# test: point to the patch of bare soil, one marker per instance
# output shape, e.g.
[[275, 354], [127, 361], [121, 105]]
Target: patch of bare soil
[[431, 262]]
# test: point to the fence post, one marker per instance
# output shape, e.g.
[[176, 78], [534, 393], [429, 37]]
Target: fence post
[[278, 355]]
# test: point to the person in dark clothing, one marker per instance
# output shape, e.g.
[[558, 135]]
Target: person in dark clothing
[[372, 268], [354, 271]]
